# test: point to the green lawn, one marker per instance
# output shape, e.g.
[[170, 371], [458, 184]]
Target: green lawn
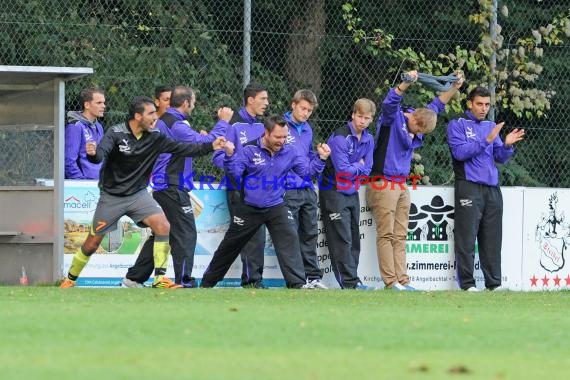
[[48, 333]]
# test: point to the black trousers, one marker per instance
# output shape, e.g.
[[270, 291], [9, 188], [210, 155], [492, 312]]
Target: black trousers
[[245, 223], [478, 216], [303, 206], [252, 254], [341, 218], [178, 209]]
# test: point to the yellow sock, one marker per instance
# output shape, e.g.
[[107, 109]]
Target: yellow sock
[[77, 264], [161, 248]]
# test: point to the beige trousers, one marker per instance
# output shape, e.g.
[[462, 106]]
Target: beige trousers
[[390, 204]]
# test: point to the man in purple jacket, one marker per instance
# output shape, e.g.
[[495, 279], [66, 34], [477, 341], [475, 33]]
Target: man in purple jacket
[[399, 131], [475, 146], [263, 166], [300, 196], [245, 128], [171, 180], [83, 127], [351, 159]]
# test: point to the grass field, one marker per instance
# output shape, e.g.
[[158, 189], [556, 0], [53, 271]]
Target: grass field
[[48, 333]]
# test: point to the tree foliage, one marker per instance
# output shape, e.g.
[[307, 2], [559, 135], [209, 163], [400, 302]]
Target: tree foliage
[[514, 73], [132, 46]]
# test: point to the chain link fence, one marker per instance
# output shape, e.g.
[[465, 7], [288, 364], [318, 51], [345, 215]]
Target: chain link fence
[[341, 49], [26, 154]]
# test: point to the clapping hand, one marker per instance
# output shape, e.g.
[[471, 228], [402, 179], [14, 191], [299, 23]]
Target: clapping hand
[[515, 136], [495, 132]]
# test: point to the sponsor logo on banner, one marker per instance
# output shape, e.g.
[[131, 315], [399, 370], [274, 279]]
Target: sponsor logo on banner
[[74, 202], [430, 261], [552, 235], [433, 225]]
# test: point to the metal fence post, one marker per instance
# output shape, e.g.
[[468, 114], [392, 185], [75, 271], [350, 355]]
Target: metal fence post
[[246, 42], [493, 59]]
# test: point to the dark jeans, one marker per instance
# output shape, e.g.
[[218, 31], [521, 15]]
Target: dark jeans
[[246, 222]]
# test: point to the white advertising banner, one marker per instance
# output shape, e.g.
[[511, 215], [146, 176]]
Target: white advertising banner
[[546, 235], [120, 248], [429, 249], [430, 255], [512, 248]]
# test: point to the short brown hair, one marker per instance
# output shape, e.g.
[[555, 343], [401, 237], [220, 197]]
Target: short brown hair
[[364, 105], [307, 95], [86, 95], [271, 121]]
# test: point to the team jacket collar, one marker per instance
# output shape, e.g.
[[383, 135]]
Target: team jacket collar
[[469, 116], [176, 113], [247, 117]]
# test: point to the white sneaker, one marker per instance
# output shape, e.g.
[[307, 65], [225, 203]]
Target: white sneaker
[[317, 284], [499, 288], [472, 289], [126, 283], [307, 285], [398, 286]]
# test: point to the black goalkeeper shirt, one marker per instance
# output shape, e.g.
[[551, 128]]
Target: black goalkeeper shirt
[[128, 161]]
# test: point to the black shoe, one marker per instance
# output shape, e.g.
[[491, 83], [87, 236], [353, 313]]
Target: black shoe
[[254, 285], [188, 282], [205, 285]]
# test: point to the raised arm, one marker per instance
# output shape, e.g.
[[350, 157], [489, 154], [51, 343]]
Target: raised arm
[[503, 152], [168, 145], [404, 85], [235, 162], [446, 96], [183, 132], [316, 162]]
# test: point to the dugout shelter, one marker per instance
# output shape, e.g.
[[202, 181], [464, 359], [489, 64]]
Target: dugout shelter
[[32, 122]]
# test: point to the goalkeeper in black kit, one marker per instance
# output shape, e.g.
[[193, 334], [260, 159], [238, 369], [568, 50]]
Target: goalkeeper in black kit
[[128, 152]]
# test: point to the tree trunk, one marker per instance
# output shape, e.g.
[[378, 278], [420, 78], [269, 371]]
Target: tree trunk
[[307, 33]]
